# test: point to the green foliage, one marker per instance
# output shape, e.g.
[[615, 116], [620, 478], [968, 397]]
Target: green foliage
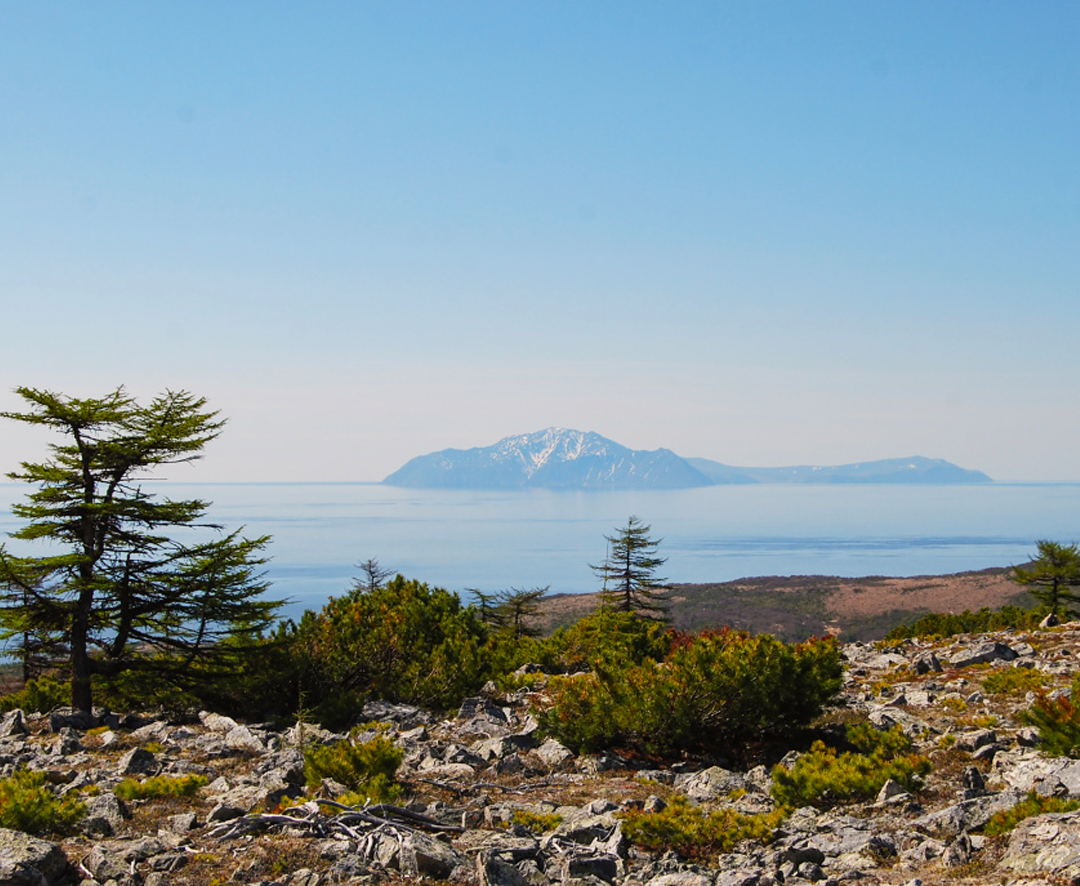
[[825, 777], [948, 624], [121, 580], [404, 642], [614, 639], [1013, 681], [1053, 577], [723, 691], [537, 822], [630, 583], [38, 696], [1003, 822], [27, 803], [159, 786], [366, 769], [1058, 722], [696, 833]]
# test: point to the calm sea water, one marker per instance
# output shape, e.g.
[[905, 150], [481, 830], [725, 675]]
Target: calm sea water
[[495, 540]]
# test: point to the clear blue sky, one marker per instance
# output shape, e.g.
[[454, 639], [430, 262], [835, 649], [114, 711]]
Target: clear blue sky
[[765, 233]]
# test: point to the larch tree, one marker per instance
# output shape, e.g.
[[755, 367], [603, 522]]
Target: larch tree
[[630, 582], [1053, 577], [126, 580]]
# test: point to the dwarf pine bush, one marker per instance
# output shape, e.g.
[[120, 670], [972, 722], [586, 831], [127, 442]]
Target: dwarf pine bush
[[159, 786], [696, 833], [1058, 722], [1013, 681], [721, 691], [27, 803], [1003, 822], [825, 777], [39, 696], [367, 770]]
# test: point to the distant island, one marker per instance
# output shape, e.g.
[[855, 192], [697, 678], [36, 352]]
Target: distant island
[[559, 458]]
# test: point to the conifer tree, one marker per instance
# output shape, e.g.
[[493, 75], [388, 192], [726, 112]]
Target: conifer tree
[[518, 610], [630, 583], [127, 580], [1053, 577]]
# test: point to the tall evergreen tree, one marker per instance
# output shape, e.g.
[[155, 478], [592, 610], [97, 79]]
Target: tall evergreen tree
[[1053, 577], [117, 587], [630, 583]]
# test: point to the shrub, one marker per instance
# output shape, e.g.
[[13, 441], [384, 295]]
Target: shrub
[[721, 692], [1013, 681], [404, 642], [825, 777], [948, 624], [1058, 722], [1003, 822], [159, 786], [537, 822], [38, 696], [27, 803], [696, 833], [366, 769]]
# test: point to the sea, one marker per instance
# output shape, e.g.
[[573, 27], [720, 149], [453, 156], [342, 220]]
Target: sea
[[495, 540]]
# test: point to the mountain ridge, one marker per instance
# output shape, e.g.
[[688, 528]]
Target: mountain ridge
[[563, 458]]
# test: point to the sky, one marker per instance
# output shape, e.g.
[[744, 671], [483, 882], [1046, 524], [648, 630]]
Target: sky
[[766, 233]]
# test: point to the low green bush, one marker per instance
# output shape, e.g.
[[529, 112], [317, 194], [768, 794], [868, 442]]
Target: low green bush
[[1013, 681], [1058, 722], [28, 803], [159, 786], [948, 624], [1003, 822], [696, 833], [720, 692], [826, 777], [367, 770], [537, 822], [38, 696]]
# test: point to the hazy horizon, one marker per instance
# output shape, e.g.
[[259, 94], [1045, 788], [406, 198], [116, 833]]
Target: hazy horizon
[[765, 234]]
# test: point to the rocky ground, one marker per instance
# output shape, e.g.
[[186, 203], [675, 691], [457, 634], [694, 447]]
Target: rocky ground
[[490, 802]]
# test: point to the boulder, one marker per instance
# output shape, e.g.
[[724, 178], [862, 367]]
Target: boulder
[[1046, 846], [982, 653], [28, 861]]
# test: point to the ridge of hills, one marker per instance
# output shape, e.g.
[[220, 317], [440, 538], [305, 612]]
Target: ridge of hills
[[561, 458]]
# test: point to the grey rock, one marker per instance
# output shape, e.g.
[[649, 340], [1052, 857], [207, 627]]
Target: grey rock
[[182, 822], [72, 719], [968, 815], [404, 716], [576, 866], [982, 653], [491, 870], [105, 814], [925, 663], [970, 741], [137, 761], [105, 865], [425, 856], [554, 754], [497, 843], [28, 861], [709, 784], [958, 853], [168, 862], [1046, 845], [13, 723]]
